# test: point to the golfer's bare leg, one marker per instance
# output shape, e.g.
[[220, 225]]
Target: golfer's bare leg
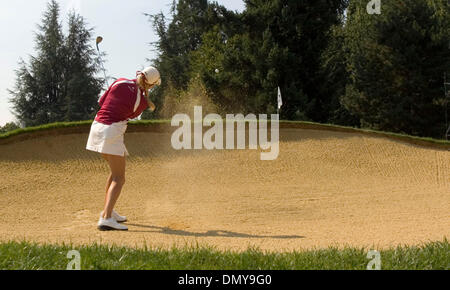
[[117, 166], [108, 184], [108, 181]]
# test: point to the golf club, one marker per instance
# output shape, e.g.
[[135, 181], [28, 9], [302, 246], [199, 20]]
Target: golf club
[[97, 42]]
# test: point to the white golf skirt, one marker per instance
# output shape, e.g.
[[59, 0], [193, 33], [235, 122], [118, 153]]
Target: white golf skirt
[[108, 139]]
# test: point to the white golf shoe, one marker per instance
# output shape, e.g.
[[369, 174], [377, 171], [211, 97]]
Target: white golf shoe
[[110, 225], [116, 216]]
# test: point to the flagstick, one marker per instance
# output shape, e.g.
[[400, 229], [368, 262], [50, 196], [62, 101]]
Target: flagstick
[[279, 102]]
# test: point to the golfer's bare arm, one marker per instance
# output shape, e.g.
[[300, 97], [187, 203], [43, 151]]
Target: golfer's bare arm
[[151, 106]]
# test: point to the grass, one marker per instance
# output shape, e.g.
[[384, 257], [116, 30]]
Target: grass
[[29, 256], [375, 132], [60, 125], [412, 139]]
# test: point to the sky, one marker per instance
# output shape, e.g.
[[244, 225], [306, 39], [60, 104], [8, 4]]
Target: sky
[[125, 30]]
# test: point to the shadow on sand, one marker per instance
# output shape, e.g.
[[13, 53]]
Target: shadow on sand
[[213, 233]]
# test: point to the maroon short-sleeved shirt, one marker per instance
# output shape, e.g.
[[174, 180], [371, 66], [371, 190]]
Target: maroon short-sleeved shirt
[[121, 102]]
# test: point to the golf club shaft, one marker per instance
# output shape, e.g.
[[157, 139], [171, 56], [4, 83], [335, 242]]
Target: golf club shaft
[[101, 64]]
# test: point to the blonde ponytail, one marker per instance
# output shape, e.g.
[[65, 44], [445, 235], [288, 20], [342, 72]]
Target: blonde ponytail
[[143, 85]]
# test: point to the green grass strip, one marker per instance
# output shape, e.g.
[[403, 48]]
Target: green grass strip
[[60, 125], [29, 256], [333, 127], [283, 124]]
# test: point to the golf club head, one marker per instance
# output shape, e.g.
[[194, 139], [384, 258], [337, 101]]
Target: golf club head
[[98, 40]]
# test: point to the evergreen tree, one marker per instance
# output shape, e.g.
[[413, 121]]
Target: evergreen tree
[[396, 62], [292, 36], [179, 38], [278, 43], [191, 19], [336, 77], [59, 83], [81, 86], [37, 97]]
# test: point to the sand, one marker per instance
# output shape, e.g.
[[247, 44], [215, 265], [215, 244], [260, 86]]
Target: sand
[[325, 189]]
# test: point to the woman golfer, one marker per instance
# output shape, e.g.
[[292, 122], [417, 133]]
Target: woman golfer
[[124, 100]]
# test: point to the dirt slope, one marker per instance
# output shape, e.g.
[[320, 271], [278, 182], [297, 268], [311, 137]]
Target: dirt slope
[[326, 188]]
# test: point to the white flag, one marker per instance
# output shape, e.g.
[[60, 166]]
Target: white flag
[[280, 101]]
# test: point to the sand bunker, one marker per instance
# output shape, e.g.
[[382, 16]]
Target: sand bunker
[[325, 189]]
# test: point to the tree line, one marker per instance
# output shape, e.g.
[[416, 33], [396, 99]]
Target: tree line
[[333, 61]]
